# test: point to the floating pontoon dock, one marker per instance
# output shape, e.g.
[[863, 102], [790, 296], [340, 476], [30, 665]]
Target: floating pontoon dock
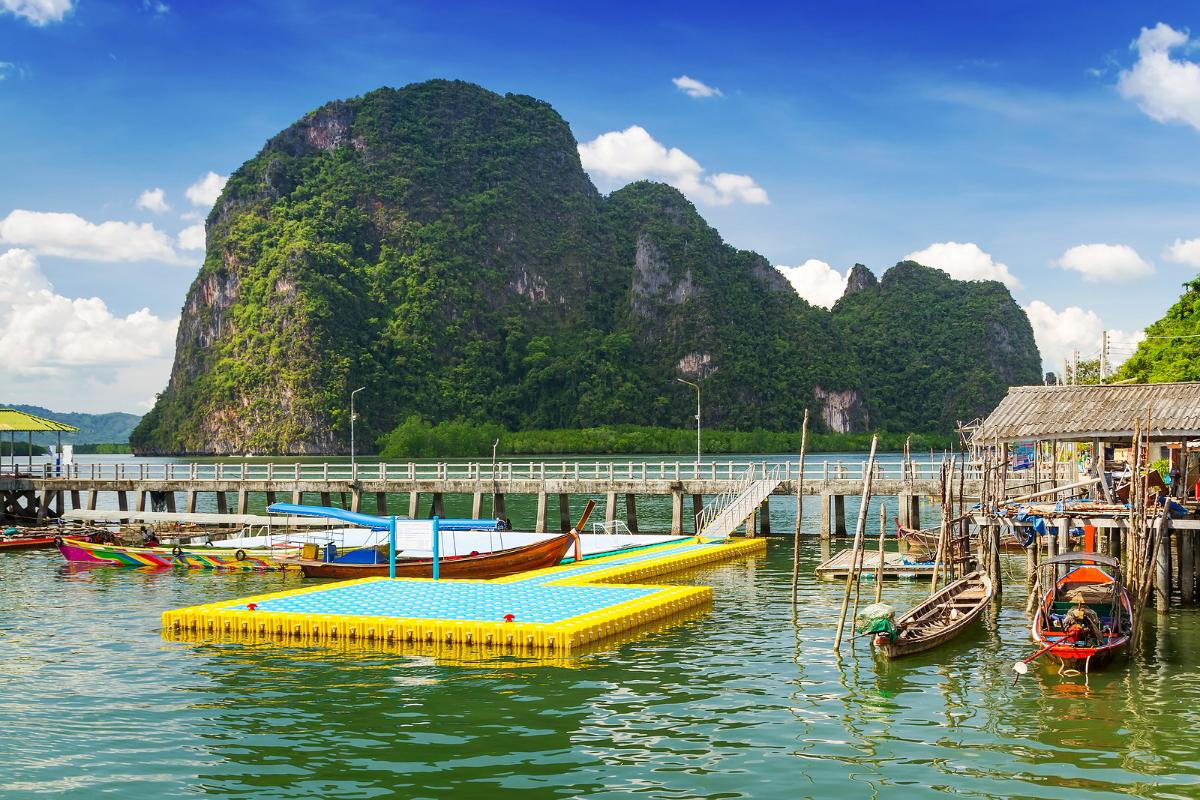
[[558, 609]]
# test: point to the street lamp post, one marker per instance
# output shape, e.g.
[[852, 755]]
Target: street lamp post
[[353, 466], [695, 386]]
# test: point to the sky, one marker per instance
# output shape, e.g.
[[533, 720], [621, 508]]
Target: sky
[[1045, 145]]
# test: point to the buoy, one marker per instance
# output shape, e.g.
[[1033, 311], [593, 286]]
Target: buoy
[[509, 617], [251, 606]]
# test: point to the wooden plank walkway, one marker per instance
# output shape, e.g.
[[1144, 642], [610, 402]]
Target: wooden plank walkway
[[896, 566]]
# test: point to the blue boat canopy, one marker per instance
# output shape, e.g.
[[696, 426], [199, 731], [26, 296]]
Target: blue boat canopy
[[378, 523]]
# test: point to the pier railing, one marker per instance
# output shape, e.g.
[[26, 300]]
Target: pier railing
[[733, 471]]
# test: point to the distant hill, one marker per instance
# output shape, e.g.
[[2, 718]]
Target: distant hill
[[93, 428]]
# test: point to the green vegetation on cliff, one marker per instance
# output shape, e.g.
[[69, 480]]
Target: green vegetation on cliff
[[1172, 350], [935, 351], [442, 246]]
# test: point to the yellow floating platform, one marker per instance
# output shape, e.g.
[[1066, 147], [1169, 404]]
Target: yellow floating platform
[[559, 610]]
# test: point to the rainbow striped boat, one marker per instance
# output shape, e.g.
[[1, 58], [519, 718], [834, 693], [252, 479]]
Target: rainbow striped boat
[[222, 558]]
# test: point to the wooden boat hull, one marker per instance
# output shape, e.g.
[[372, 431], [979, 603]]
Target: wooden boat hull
[[1117, 631], [968, 596], [78, 551], [27, 543], [497, 564]]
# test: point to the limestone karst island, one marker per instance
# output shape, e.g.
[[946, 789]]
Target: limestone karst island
[[659, 401]]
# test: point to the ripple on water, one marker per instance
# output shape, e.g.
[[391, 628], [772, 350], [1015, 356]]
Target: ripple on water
[[739, 702]]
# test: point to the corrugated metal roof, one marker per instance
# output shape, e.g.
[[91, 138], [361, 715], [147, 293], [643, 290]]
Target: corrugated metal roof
[[1087, 412], [13, 420]]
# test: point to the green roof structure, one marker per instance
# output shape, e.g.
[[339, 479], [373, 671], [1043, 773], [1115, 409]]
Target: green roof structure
[[18, 421]]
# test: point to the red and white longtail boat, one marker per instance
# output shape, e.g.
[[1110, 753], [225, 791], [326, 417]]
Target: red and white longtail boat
[[1092, 582]]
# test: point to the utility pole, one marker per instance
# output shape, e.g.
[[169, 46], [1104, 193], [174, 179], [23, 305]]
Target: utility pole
[[1063, 379], [1103, 355], [1074, 367], [353, 466], [695, 386]]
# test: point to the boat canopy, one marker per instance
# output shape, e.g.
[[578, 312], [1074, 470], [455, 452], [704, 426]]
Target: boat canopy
[[1075, 557], [377, 523]]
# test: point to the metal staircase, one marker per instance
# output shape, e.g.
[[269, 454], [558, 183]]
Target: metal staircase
[[732, 507]]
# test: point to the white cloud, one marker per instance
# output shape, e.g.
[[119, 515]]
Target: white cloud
[[53, 334], [1184, 252], [192, 237], [71, 236], [816, 281], [695, 88], [1165, 89], [1059, 333], [1105, 262], [153, 200], [632, 154], [965, 261], [5, 68], [38, 12], [204, 192]]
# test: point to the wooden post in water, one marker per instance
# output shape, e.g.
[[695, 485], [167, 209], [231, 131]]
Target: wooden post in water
[[879, 570], [1187, 565], [856, 552], [799, 509]]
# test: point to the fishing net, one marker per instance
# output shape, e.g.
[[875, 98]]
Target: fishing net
[[877, 618]]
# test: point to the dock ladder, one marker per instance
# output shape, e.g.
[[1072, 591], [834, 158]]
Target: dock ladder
[[732, 507]]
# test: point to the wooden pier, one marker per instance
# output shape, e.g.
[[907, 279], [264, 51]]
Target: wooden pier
[[42, 493]]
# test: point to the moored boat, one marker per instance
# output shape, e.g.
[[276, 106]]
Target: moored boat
[[494, 564], [941, 617], [45, 538], [1085, 619], [222, 558]]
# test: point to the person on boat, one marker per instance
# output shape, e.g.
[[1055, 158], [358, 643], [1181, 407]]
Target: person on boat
[[1082, 624], [1176, 481]]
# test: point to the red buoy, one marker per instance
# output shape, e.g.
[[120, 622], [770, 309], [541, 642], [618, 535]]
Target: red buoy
[[509, 617], [252, 606]]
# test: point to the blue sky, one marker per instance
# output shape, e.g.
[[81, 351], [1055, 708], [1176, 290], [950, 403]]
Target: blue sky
[[1048, 145]]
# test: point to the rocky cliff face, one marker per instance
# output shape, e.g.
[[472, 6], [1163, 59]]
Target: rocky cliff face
[[442, 246]]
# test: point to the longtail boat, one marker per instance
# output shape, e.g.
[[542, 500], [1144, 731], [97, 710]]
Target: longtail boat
[[1085, 619], [227, 558], [927, 539], [494, 564], [941, 617], [28, 540]]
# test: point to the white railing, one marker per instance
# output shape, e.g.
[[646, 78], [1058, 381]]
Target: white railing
[[722, 500], [733, 471]]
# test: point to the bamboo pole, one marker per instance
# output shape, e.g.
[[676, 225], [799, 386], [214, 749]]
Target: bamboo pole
[[940, 555], [857, 547], [799, 510], [879, 570]]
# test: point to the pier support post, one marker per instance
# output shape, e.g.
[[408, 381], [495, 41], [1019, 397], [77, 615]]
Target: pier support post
[[122, 501], [141, 500], [1162, 572], [902, 510], [676, 512], [631, 512], [170, 502], [610, 507], [342, 500], [498, 507], [326, 499], [750, 523], [564, 512], [190, 501], [540, 524], [75, 504], [222, 504], [381, 504], [243, 501], [356, 500], [993, 566], [439, 505], [764, 519], [271, 498], [414, 504], [297, 497], [1187, 567], [58, 503], [826, 518], [477, 505], [91, 505], [839, 515], [697, 508]]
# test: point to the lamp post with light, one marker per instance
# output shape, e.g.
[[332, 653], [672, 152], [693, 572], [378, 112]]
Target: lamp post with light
[[353, 465], [695, 386]]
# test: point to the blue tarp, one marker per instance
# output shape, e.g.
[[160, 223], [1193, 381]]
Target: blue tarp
[[377, 523]]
